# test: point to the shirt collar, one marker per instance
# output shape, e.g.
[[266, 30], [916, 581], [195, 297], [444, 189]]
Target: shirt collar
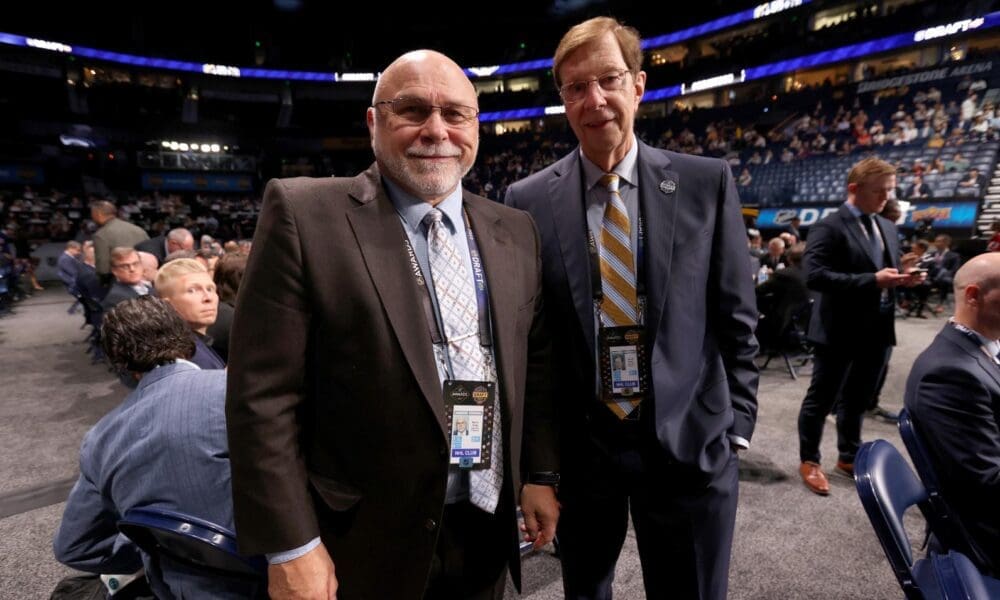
[[854, 210], [627, 169], [413, 209], [992, 346]]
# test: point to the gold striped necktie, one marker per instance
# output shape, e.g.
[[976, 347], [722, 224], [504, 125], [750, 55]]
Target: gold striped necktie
[[619, 306]]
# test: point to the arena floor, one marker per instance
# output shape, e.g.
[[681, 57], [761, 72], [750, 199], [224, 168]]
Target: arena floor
[[790, 544]]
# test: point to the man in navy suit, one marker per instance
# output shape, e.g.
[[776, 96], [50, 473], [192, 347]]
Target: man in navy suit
[[953, 395], [852, 261], [69, 265], [644, 252], [163, 447]]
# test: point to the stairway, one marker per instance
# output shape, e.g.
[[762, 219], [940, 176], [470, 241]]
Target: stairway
[[991, 205]]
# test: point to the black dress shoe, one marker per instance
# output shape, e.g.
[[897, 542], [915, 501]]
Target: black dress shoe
[[885, 415]]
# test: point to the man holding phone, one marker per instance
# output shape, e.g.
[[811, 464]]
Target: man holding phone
[[853, 262]]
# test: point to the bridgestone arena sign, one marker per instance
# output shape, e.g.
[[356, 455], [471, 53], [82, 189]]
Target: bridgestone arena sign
[[925, 76]]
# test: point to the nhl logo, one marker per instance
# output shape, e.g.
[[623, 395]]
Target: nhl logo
[[668, 187]]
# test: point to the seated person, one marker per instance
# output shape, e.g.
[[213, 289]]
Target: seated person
[[972, 185], [187, 287], [163, 447], [69, 265], [775, 254], [781, 297], [228, 275], [127, 270], [87, 281], [149, 265], [919, 189], [953, 395], [916, 296], [946, 263]]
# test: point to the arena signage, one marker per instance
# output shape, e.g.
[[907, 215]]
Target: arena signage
[[196, 182], [926, 76], [932, 33], [944, 214], [20, 174]]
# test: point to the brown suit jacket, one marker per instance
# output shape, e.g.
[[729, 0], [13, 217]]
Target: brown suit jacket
[[335, 412]]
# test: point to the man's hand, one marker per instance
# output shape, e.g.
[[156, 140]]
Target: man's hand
[[541, 512], [889, 277], [308, 577]]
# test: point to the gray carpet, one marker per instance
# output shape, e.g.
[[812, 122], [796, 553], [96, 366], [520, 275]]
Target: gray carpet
[[789, 543]]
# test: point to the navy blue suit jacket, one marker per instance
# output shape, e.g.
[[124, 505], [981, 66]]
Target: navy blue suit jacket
[[163, 447], [953, 395], [839, 265], [701, 310]]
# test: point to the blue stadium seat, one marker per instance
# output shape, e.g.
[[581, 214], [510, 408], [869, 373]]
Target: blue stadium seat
[[944, 523], [887, 488]]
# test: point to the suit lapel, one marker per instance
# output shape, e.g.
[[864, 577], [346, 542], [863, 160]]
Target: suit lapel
[[891, 241], [566, 199], [493, 239], [660, 192], [380, 235], [973, 349], [854, 233]]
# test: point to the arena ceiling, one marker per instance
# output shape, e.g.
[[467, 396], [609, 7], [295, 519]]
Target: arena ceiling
[[341, 36]]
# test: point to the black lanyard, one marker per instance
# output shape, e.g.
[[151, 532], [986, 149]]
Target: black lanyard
[[976, 339], [482, 293]]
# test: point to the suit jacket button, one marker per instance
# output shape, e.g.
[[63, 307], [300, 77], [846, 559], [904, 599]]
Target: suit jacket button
[[430, 524]]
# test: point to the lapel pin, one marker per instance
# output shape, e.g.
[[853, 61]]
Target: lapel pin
[[668, 186]]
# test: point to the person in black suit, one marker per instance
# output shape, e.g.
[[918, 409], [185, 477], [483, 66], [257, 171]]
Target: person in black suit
[[953, 396], [775, 254], [852, 261], [87, 281], [781, 297], [69, 265], [942, 272], [127, 270], [163, 245], [668, 457], [919, 189]]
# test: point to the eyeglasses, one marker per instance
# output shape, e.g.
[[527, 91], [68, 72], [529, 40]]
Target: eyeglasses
[[128, 266], [575, 91], [416, 111]]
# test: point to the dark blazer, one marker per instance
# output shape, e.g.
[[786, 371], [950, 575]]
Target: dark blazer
[[701, 310], [839, 265], [943, 273], [88, 284], [69, 268], [778, 300], [953, 394], [155, 246], [118, 292], [337, 422], [163, 447], [219, 331]]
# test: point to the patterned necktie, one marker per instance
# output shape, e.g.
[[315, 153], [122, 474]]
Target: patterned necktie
[[620, 304], [456, 298]]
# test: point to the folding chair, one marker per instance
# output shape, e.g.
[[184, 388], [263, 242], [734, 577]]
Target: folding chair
[[944, 524], [207, 548], [887, 488]]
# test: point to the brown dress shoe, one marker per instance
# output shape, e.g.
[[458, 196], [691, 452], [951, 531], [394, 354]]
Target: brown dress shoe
[[813, 477], [845, 468]]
